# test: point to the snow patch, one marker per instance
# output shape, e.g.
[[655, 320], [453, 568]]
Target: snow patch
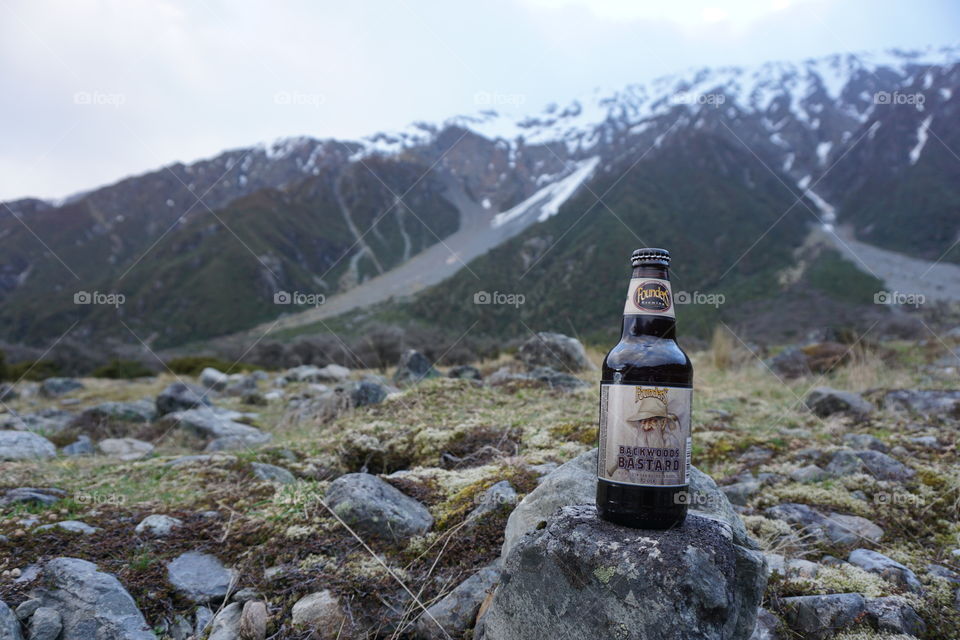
[[922, 135], [550, 198]]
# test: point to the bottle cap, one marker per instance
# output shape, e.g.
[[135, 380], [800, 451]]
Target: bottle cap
[[659, 257]]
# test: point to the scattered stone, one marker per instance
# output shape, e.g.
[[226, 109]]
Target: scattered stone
[[798, 567], [789, 363], [809, 473], [272, 473], [332, 373], [200, 577], [202, 619], [8, 392], [557, 380], [820, 617], [158, 525], [864, 441], [44, 496], [180, 629], [374, 507], [50, 420], [883, 467], [55, 387], [24, 445], [824, 401], [493, 498], [9, 625], [73, 526], [412, 368], [944, 572], [465, 372], [212, 425], [740, 492], [368, 392], [845, 463], [107, 413], [756, 455], [554, 350], [924, 402], [46, 624], [126, 449], [91, 604], [606, 567], [927, 442], [181, 396], [82, 447], [456, 612], [768, 626], [226, 624], [885, 567], [26, 609], [837, 528], [892, 614], [213, 379], [322, 612], [245, 595], [253, 621]]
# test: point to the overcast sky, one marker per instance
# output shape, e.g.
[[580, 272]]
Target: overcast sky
[[94, 90]]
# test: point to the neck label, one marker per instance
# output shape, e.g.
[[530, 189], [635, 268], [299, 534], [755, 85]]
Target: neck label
[[649, 297]]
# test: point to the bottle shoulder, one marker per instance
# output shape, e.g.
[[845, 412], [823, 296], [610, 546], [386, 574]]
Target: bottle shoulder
[[648, 359]]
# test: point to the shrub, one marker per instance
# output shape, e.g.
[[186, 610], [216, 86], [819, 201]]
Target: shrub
[[33, 370], [193, 365], [122, 369]]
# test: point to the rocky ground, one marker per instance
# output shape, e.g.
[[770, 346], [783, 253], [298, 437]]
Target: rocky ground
[[327, 503]]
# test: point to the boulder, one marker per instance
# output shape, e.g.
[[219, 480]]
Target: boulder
[[502, 493], [889, 569], [45, 624], [575, 482], [26, 609], [9, 624], [373, 507], [272, 473], [82, 447], [202, 619], [456, 612], [824, 401], [210, 425], [24, 445], [554, 350], [465, 372], [73, 526], [322, 612], [821, 617], [927, 402], [253, 620], [883, 467], [158, 525], [181, 396], [49, 420], [844, 463], [556, 379], [211, 378], [809, 473], [739, 493], [582, 577], [44, 496], [226, 624], [893, 614], [126, 449], [332, 373], [199, 577], [862, 441], [141, 411], [56, 387], [368, 392], [768, 626], [413, 367], [836, 528], [91, 604]]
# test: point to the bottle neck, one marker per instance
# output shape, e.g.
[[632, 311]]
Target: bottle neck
[[648, 324]]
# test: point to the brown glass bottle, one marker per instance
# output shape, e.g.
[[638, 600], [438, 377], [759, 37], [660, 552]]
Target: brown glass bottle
[[645, 404]]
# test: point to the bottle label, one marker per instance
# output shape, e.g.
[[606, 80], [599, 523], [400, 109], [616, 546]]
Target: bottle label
[[645, 435], [649, 296]]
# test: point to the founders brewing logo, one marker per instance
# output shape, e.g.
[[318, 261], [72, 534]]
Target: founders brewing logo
[[652, 296]]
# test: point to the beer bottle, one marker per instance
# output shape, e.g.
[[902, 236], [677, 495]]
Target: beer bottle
[[646, 393]]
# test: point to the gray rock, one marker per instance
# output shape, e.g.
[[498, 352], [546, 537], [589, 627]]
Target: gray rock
[[768, 626], [158, 525], [582, 577], [837, 528], [200, 577], [502, 493], [253, 620], [24, 445], [456, 612], [141, 411], [8, 392], [740, 492], [893, 615], [883, 467], [465, 372], [26, 609], [824, 401], [246, 594], [202, 619], [888, 569], [413, 367], [321, 611], [73, 526], [211, 378], [226, 624], [272, 473], [809, 473], [237, 443], [55, 387], [207, 423], [45, 496], [49, 421], [756, 455], [92, 604], [575, 482], [820, 617], [45, 624], [180, 629], [556, 351], [924, 402], [844, 463], [368, 392], [556, 379], [82, 447], [864, 441], [845, 529], [126, 449], [943, 572], [332, 373], [181, 396], [9, 625], [926, 442], [374, 507], [789, 363]]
